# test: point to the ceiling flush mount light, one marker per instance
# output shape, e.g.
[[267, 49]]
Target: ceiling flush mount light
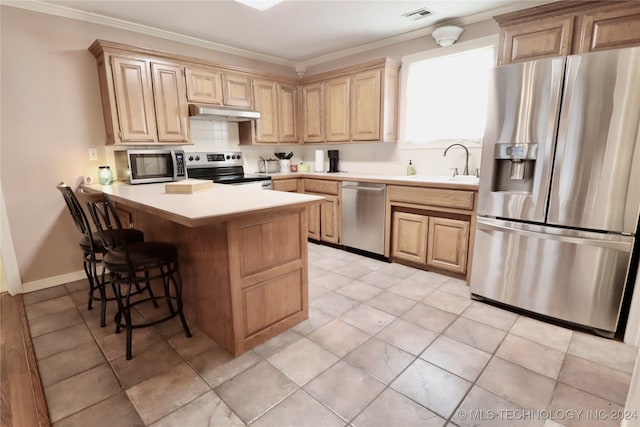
[[447, 35], [260, 4]]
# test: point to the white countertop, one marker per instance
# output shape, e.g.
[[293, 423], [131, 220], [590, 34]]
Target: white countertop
[[462, 182], [217, 204]]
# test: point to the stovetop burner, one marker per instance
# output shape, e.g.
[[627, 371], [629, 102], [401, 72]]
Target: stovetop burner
[[220, 167]]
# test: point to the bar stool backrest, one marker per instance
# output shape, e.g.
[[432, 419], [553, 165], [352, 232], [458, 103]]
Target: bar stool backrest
[[105, 218], [77, 213]]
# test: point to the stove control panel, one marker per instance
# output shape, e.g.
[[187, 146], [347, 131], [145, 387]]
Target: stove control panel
[[213, 160]]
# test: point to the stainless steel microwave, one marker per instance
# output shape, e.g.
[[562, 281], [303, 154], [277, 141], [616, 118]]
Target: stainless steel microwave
[[146, 166]]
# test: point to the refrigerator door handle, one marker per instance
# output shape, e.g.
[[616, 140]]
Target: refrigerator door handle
[[618, 245]]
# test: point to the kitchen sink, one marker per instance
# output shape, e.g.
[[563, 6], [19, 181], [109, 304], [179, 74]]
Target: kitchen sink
[[462, 179]]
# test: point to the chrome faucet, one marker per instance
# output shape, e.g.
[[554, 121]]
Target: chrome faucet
[[466, 164]]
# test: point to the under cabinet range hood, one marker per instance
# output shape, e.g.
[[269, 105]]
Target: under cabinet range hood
[[208, 112]]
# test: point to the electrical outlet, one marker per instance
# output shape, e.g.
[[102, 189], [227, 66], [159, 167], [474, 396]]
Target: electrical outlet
[[93, 153]]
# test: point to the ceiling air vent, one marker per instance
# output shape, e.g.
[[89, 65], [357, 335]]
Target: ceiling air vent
[[418, 13]]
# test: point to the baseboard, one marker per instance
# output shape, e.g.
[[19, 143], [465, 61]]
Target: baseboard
[[49, 282]]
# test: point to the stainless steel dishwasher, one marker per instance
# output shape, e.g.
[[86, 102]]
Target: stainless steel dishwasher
[[363, 213]]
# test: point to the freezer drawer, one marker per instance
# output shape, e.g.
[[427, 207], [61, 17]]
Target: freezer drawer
[[570, 275]]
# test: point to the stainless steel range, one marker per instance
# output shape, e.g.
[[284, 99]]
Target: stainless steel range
[[224, 167]]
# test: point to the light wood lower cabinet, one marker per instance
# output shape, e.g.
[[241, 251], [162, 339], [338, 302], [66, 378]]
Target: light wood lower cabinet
[[289, 184], [330, 219], [447, 244], [437, 242], [314, 216], [410, 237], [324, 218]]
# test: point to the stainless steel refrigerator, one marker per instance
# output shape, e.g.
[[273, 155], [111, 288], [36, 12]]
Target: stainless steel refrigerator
[[559, 196]]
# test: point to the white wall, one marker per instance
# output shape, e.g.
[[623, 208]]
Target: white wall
[[51, 114]]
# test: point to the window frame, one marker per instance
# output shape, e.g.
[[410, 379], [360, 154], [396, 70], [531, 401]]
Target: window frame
[[407, 60]]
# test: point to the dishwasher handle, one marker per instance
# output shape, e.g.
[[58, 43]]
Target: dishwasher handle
[[354, 187]]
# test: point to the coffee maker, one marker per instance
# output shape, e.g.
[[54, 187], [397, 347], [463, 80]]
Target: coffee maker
[[334, 157]]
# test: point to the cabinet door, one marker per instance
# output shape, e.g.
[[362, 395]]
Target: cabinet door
[[287, 113], [611, 29], [265, 93], [313, 112], [236, 90], [365, 106], [169, 94], [337, 95], [314, 221], [448, 240], [536, 40], [330, 219], [409, 237], [204, 86], [134, 99]]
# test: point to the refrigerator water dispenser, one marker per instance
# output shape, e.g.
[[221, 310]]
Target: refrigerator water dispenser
[[514, 168]]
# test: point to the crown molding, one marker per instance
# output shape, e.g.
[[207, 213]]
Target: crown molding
[[95, 18]]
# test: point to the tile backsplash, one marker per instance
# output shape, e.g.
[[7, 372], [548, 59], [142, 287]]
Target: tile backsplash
[[381, 158]]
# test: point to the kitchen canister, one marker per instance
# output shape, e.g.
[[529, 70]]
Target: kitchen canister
[[105, 175], [319, 163], [285, 165]]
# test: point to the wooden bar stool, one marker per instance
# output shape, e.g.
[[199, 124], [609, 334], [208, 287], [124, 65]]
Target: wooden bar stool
[[132, 264], [93, 250]]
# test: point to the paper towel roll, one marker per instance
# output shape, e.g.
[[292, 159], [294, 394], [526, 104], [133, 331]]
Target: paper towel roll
[[319, 163]]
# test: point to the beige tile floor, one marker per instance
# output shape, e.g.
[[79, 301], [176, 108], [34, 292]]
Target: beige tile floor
[[385, 345]]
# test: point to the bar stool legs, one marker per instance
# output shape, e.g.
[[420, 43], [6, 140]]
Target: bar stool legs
[[126, 285]]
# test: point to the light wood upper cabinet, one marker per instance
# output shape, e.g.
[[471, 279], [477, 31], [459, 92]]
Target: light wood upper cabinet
[[288, 113], [204, 86], [313, 112], [360, 103], [337, 97], [365, 107], [537, 40], [236, 90], [610, 29], [567, 27], [134, 100], [278, 123], [143, 98], [448, 242], [172, 115], [265, 93]]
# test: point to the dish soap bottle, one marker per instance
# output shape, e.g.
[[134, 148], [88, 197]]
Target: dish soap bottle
[[410, 169]]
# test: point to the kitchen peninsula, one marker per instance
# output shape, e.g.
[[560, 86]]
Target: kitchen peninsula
[[242, 253]]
